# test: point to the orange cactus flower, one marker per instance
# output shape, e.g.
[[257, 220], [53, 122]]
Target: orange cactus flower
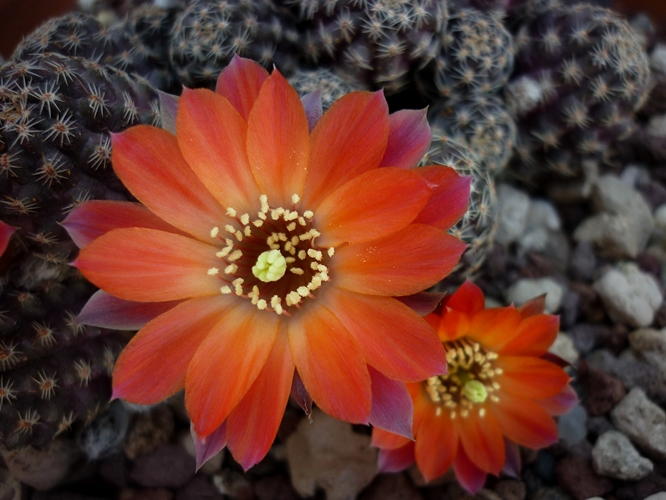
[[266, 255], [499, 392]]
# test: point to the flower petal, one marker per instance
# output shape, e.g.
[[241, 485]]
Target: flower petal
[[278, 140], [168, 110], [373, 205], [94, 218], [349, 139], [211, 136], [392, 407], [530, 377], [422, 303], [253, 424], [227, 363], [331, 364], [524, 421], [408, 140], [436, 440], [468, 299], [454, 324], [106, 311], [388, 440], [146, 265], [560, 403], [6, 232], [533, 337], [153, 365], [406, 262], [450, 196], [206, 448], [493, 327], [392, 337], [512, 466], [469, 475], [396, 460], [240, 82], [482, 439], [301, 394], [313, 108], [150, 164], [533, 306]]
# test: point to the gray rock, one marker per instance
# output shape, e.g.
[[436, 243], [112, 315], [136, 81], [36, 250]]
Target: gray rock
[[658, 58], [643, 422], [564, 348], [526, 289], [512, 211], [572, 426], [657, 496], [614, 456], [624, 224], [651, 346], [660, 222], [542, 213], [657, 126], [167, 466], [10, 488], [629, 295]]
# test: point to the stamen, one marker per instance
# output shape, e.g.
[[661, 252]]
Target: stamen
[[231, 212], [214, 232], [295, 198], [213, 271]]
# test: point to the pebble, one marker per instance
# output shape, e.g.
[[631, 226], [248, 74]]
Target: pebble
[[148, 430], [657, 126], [583, 262], [622, 228], [651, 484], [10, 487], [602, 391], [550, 493], [564, 348], [512, 210], [275, 488], [232, 483], [629, 295], [576, 476], [614, 456], [578, 189], [572, 426], [657, 496], [200, 488], [167, 466], [651, 346], [391, 487], [212, 465], [511, 489], [526, 289], [658, 58], [643, 422], [45, 468], [596, 426], [660, 221]]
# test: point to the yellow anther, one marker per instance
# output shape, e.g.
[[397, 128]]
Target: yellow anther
[[308, 214], [230, 229], [247, 231], [482, 412], [231, 212], [214, 232], [295, 198], [302, 254], [230, 269], [270, 266], [213, 271], [245, 219], [291, 226], [331, 251], [225, 290], [296, 270], [261, 305], [235, 255], [303, 291]]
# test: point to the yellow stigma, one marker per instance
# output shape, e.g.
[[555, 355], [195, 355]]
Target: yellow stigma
[[270, 266], [475, 391]]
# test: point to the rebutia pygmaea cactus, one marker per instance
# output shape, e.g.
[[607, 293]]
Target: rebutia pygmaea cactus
[[56, 114], [330, 85], [580, 74]]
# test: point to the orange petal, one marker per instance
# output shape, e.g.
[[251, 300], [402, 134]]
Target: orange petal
[[331, 364], [392, 407], [388, 440], [450, 196], [146, 265], [348, 140], [212, 135], [94, 218], [406, 262], [240, 83], [530, 377], [106, 311], [408, 140], [153, 365], [436, 442], [373, 205], [482, 439], [560, 403], [454, 325], [493, 327], [524, 421], [393, 338], [227, 363], [396, 460], [533, 337], [253, 424], [533, 306], [278, 140], [150, 164], [468, 299], [468, 475]]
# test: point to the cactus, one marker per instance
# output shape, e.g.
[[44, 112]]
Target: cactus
[[209, 32], [330, 85], [56, 114], [478, 225], [481, 122], [580, 74]]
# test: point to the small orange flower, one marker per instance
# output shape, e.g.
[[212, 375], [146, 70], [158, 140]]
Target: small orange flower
[[498, 392], [266, 255]]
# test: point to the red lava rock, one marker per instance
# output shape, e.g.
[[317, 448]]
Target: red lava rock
[[146, 494], [275, 488], [602, 391], [660, 317], [114, 470], [511, 489], [576, 476], [650, 264], [649, 485], [616, 338], [391, 487], [167, 466], [200, 488]]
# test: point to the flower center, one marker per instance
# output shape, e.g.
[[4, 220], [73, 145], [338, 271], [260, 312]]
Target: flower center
[[272, 258], [469, 381]]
